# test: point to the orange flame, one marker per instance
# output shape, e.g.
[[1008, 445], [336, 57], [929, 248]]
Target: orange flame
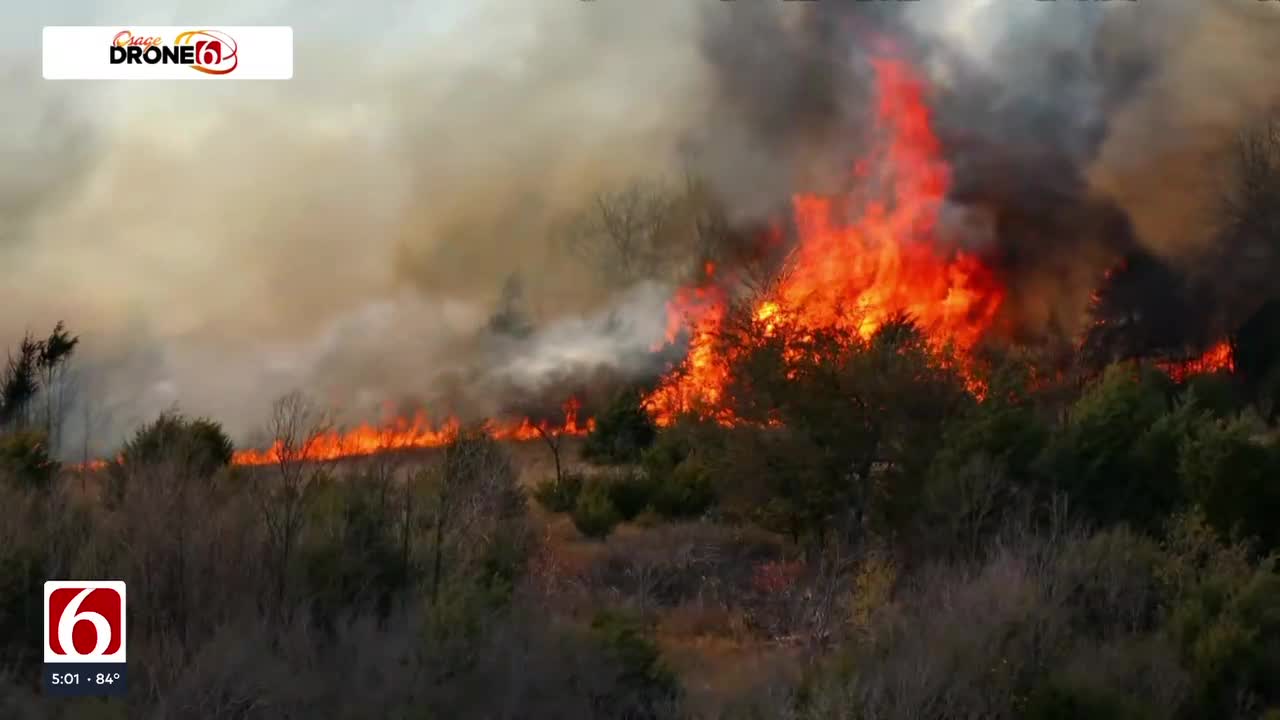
[[855, 275], [1219, 358], [90, 466], [420, 432]]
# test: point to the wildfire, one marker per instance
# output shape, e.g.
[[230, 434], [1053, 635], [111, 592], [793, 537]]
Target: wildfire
[[855, 274], [91, 466], [1219, 358], [398, 434], [404, 434], [858, 261]]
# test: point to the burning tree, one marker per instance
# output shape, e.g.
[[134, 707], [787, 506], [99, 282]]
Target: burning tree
[[859, 264], [826, 421]]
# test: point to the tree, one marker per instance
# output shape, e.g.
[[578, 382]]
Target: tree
[[1116, 455], [985, 466], [1248, 207], [166, 474], [1222, 617], [622, 232], [700, 210], [37, 368], [20, 384], [834, 422], [479, 511], [25, 458], [55, 353], [553, 436], [1256, 349], [1232, 477], [1249, 225], [195, 446], [298, 428], [510, 318]]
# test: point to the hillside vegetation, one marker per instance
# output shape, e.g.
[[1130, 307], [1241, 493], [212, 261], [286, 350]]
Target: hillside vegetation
[[889, 547]]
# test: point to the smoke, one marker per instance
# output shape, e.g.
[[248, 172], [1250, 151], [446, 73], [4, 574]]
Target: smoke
[[349, 232], [1078, 133]]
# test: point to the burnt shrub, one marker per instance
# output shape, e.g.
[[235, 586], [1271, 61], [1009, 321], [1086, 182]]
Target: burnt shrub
[[623, 431]]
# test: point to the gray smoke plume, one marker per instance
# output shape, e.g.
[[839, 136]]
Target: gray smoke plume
[[347, 232]]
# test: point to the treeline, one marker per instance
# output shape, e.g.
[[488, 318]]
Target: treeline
[[1102, 547], [370, 589]]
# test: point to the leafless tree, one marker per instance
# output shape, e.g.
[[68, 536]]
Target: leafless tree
[[622, 232], [1248, 219], [1249, 197], [381, 466], [554, 438], [297, 427], [477, 501], [706, 217]]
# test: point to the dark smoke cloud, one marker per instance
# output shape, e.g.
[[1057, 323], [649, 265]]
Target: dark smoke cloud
[[1078, 133]]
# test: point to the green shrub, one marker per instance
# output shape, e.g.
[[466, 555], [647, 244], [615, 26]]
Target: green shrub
[[1057, 701], [198, 445], [24, 458], [352, 561], [1005, 429], [669, 450], [686, 492], [645, 687], [632, 494], [1223, 617], [1114, 457], [1218, 392], [559, 494], [594, 514], [1233, 479], [679, 482]]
